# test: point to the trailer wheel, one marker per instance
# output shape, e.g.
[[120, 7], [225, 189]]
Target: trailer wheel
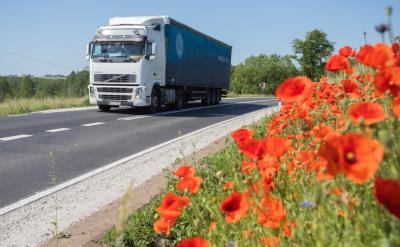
[[212, 98], [179, 99], [104, 107], [155, 104], [217, 96], [207, 99]]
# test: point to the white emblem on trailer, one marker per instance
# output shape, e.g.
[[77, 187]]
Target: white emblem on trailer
[[179, 45]]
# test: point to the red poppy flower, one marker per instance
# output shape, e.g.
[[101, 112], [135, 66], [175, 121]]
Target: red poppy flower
[[321, 130], [171, 205], [346, 51], [268, 166], [350, 87], [185, 171], [396, 106], [387, 79], [248, 166], [190, 184], [337, 63], [242, 134], [377, 56], [235, 207], [253, 148], [161, 226], [276, 146], [370, 113], [295, 89], [358, 157], [271, 212], [228, 185], [387, 193], [194, 242], [287, 228], [271, 241]]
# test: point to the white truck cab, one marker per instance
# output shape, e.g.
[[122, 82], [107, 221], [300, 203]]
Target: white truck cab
[[126, 58]]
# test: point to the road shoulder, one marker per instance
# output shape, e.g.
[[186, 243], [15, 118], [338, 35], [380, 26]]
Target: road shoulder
[[89, 231]]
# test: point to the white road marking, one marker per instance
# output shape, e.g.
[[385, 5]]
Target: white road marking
[[57, 130], [85, 176], [132, 118], [92, 124], [9, 138]]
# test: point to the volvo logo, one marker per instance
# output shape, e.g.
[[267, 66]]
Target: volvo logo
[[179, 45]]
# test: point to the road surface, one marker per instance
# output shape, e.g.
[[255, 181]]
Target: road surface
[[36, 146]]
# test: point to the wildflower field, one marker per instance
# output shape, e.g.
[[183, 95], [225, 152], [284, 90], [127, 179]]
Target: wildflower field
[[324, 171]]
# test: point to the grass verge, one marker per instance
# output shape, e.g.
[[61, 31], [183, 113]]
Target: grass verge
[[21, 106]]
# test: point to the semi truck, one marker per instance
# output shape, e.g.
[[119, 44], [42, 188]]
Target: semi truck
[[155, 61]]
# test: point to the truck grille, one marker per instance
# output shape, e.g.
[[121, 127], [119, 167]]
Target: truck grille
[[114, 90], [114, 78], [115, 97]]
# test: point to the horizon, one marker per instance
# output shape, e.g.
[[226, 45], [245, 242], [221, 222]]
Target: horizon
[[54, 43]]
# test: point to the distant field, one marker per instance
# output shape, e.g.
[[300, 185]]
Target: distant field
[[20, 106]]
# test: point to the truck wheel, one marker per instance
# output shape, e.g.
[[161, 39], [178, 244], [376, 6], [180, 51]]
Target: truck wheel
[[155, 104], [207, 99], [179, 99], [217, 96], [104, 107]]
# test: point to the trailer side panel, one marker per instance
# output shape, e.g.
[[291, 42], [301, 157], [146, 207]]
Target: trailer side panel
[[194, 59]]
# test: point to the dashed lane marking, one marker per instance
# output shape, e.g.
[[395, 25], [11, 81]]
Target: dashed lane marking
[[57, 130], [132, 118], [92, 124], [9, 138]]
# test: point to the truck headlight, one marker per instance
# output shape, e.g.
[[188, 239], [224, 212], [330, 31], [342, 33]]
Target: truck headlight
[[138, 93], [92, 91]]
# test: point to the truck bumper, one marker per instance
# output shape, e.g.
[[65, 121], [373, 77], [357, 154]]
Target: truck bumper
[[117, 95]]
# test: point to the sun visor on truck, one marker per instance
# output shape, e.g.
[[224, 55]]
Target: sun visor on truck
[[132, 38]]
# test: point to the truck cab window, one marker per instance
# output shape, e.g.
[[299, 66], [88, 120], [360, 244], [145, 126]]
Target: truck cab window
[[117, 49]]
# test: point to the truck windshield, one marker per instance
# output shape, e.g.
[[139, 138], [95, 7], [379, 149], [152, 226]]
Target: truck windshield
[[117, 49]]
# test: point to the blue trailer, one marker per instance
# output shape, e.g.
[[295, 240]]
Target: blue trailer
[[155, 61], [195, 59]]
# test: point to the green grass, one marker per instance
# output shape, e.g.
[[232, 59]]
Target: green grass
[[20, 106]]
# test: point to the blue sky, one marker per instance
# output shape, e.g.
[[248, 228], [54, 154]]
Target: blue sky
[[57, 31]]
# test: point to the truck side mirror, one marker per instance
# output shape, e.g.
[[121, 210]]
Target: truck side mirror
[[153, 48], [157, 27], [152, 53], [88, 51]]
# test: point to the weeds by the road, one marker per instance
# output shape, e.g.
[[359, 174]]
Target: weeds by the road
[[20, 106]]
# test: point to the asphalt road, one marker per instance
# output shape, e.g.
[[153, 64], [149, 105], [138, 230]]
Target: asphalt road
[[69, 144]]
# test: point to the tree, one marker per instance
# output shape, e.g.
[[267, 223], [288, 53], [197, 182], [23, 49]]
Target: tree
[[272, 70], [4, 89], [312, 53], [26, 87]]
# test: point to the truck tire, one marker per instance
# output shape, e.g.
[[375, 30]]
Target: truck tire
[[155, 102], [105, 108], [207, 98], [217, 96], [179, 99], [212, 97]]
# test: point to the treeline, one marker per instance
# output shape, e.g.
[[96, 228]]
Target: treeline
[[256, 75], [263, 73], [73, 85]]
